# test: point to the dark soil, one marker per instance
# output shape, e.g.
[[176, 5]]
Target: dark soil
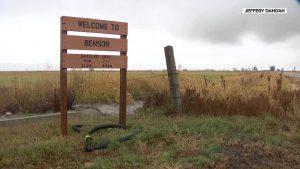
[[256, 155]]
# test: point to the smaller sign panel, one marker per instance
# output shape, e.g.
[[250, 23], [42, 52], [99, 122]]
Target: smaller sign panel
[[94, 43], [94, 25], [94, 61]]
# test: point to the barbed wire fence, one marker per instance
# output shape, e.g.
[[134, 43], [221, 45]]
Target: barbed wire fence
[[187, 81], [146, 76]]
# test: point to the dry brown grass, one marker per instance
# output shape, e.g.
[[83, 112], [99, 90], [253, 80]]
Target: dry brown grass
[[247, 94], [212, 93]]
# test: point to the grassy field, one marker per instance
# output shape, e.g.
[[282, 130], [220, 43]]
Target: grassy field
[[10, 78], [229, 120], [38, 92], [106, 83], [165, 142]]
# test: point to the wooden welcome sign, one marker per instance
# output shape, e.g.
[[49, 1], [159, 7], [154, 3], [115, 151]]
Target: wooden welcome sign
[[92, 61]]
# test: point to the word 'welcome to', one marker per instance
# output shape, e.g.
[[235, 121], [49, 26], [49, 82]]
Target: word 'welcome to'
[[97, 25]]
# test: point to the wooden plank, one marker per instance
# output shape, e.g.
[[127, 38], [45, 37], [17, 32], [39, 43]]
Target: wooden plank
[[94, 25], [94, 61], [94, 43]]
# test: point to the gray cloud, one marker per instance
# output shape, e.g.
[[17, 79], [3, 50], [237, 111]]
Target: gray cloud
[[215, 20], [223, 21]]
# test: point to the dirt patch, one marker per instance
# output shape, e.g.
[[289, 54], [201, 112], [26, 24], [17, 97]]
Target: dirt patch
[[255, 155], [91, 109], [107, 109]]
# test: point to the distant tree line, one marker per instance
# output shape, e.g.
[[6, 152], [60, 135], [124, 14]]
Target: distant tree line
[[254, 69]]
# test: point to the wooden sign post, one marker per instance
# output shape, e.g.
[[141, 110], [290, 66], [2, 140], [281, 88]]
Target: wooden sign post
[[92, 61]]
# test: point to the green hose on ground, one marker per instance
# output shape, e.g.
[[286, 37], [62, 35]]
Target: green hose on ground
[[89, 146]]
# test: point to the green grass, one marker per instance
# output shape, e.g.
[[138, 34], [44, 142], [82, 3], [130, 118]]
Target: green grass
[[165, 142]]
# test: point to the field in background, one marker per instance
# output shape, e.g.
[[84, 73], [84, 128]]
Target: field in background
[[243, 93], [9, 78]]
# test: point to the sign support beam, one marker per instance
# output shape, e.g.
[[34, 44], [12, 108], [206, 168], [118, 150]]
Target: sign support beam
[[123, 90], [63, 88]]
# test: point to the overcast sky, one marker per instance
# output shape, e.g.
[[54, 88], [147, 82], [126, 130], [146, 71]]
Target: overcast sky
[[205, 34]]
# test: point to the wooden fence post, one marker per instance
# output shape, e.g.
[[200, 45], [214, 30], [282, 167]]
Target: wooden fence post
[[205, 80], [173, 80]]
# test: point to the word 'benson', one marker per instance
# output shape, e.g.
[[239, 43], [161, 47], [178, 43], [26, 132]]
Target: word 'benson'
[[98, 43]]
